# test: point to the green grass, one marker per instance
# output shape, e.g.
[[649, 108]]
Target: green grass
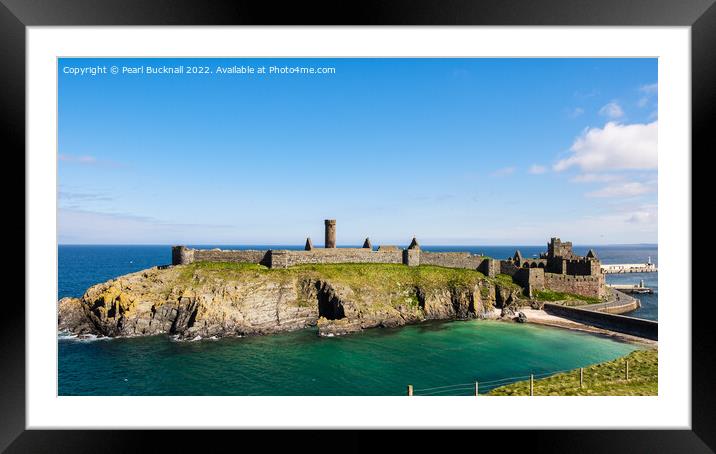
[[374, 284], [357, 274], [396, 279], [505, 278], [604, 379], [550, 295]]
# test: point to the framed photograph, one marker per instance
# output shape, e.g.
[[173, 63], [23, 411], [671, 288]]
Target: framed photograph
[[458, 216]]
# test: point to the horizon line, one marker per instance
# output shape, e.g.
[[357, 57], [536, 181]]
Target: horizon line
[[321, 246]]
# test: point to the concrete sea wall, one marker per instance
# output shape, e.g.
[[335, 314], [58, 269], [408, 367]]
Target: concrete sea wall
[[648, 329]]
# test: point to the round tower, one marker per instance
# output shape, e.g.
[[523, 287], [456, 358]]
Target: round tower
[[330, 233]]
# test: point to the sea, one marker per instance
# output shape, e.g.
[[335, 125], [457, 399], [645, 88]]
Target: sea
[[437, 357]]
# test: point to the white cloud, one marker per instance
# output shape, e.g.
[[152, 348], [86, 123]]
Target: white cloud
[[503, 172], [629, 189], [648, 92], [614, 147], [67, 200], [574, 113], [612, 110], [536, 169], [82, 197], [646, 214], [586, 94], [649, 89], [93, 227], [84, 159], [595, 178], [602, 227], [87, 160]]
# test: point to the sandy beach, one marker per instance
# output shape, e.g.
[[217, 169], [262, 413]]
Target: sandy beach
[[540, 317]]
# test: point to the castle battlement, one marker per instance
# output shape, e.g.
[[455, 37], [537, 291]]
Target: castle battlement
[[558, 269]]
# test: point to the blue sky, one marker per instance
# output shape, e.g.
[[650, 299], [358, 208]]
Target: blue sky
[[455, 151]]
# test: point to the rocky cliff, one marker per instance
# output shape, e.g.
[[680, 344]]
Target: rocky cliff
[[230, 299]]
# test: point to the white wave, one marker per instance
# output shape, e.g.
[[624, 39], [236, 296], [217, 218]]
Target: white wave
[[67, 336]]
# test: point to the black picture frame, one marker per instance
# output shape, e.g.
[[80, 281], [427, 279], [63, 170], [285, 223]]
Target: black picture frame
[[16, 15]]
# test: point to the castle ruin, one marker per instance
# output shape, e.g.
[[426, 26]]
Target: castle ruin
[[558, 269]]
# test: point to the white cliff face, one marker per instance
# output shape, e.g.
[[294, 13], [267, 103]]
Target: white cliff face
[[230, 300]]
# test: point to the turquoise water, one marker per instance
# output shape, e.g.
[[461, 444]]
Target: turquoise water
[[374, 362]]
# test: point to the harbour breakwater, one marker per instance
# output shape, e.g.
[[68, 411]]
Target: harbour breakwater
[[648, 329], [629, 268]]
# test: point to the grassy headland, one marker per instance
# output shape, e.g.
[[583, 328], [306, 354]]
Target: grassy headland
[[356, 275], [603, 379]]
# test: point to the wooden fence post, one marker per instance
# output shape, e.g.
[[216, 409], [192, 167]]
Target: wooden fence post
[[581, 377], [477, 389], [532, 384], [410, 390]]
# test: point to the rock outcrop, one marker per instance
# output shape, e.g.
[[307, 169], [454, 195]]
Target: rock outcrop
[[230, 299]]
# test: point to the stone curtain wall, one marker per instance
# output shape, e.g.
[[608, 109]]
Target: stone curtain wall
[[583, 267], [451, 259], [286, 258], [182, 255], [581, 285], [214, 255]]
